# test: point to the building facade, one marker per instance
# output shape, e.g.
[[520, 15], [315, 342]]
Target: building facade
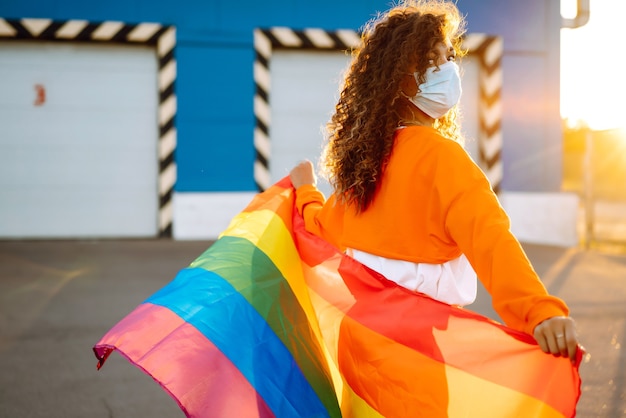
[[151, 118]]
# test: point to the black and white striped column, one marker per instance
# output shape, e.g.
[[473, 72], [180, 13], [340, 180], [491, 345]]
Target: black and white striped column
[[167, 129], [163, 37], [265, 40], [488, 49]]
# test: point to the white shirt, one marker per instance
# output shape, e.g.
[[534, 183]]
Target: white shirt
[[453, 282]]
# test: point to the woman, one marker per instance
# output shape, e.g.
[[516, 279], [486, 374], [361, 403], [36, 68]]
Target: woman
[[408, 201]]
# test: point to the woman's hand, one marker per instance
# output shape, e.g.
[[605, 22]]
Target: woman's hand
[[557, 336], [303, 174]]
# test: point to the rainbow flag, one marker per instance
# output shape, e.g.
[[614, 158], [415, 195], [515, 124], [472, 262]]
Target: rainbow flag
[[272, 321]]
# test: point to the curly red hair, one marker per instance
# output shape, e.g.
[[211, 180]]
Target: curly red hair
[[361, 130]]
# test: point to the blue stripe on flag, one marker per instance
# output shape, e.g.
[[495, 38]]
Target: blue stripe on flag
[[208, 302]]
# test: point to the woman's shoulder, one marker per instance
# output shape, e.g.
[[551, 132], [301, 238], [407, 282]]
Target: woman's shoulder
[[428, 140]]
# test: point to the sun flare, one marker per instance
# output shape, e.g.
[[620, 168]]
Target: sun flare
[[593, 87]]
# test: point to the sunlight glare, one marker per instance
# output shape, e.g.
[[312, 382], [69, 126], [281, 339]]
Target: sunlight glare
[[593, 87]]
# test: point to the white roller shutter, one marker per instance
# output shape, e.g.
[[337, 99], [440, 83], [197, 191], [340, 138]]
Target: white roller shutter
[[305, 88], [78, 140]]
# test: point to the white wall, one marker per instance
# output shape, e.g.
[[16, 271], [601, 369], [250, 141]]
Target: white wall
[[543, 217]]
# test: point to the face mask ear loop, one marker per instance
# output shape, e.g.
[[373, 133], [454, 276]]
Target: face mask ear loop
[[417, 87]]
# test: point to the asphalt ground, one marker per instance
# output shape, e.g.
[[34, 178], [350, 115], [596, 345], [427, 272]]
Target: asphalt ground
[[57, 298]]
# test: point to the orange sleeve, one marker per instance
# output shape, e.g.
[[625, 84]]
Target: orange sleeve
[[318, 220], [478, 224]]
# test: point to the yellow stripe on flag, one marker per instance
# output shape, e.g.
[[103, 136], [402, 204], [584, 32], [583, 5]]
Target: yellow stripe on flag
[[267, 231], [355, 407], [466, 389]]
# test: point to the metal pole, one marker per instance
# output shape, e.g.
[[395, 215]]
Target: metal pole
[[588, 188]]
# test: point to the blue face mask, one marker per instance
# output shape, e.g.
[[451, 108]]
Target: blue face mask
[[440, 92]]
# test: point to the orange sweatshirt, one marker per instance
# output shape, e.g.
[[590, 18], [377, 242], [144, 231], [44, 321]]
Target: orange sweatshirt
[[433, 204]]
